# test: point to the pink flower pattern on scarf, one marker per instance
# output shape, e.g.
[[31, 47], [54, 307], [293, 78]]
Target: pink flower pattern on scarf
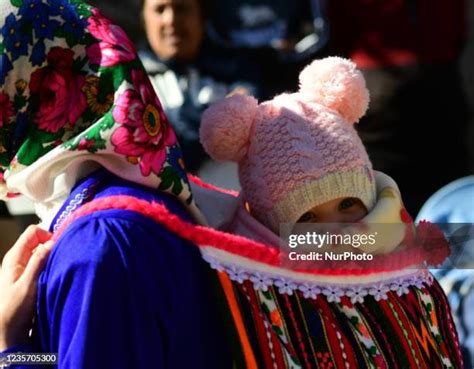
[[114, 46], [145, 131], [56, 91]]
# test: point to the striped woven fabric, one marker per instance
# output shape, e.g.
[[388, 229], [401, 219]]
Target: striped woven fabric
[[414, 330]]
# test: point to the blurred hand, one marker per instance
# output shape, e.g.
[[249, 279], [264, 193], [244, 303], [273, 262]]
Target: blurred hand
[[18, 283]]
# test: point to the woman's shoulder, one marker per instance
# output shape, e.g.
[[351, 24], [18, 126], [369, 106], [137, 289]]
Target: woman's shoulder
[[105, 215], [110, 191]]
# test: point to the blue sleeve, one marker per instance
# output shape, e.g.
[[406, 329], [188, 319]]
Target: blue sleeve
[[113, 293]]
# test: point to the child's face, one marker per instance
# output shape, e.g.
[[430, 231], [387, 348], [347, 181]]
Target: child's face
[[340, 210]]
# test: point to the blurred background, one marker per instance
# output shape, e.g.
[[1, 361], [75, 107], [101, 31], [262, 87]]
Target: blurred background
[[417, 57]]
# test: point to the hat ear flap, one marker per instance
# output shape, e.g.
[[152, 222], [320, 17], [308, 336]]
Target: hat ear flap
[[337, 84], [226, 127]]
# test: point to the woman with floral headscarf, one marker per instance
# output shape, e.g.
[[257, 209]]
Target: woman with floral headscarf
[[79, 121]]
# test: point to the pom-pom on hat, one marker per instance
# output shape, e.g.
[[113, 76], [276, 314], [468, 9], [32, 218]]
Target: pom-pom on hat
[[298, 150]]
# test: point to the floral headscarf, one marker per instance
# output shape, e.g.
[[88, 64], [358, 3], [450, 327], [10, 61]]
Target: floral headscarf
[[73, 92]]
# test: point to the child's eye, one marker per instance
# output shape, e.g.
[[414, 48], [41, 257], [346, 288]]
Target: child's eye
[[347, 203], [307, 217]]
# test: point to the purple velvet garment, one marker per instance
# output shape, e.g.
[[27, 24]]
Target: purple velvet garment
[[120, 291]]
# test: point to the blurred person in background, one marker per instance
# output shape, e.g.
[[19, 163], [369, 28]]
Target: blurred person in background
[[416, 128], [188, 71], [280, 37]]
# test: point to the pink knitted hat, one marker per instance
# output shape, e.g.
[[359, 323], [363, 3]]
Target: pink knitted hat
[[298, 150]]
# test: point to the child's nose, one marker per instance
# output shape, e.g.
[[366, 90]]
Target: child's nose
[[336, 217], [353, 217], [330, 217]]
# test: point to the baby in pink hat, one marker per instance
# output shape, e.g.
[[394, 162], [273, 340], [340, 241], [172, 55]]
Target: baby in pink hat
[[300, 158]]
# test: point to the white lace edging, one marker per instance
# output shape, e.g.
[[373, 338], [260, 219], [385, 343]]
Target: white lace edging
[[74, 203], [333, 293]]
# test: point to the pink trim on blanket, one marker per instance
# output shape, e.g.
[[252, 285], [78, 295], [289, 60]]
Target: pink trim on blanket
[[258, 252]]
